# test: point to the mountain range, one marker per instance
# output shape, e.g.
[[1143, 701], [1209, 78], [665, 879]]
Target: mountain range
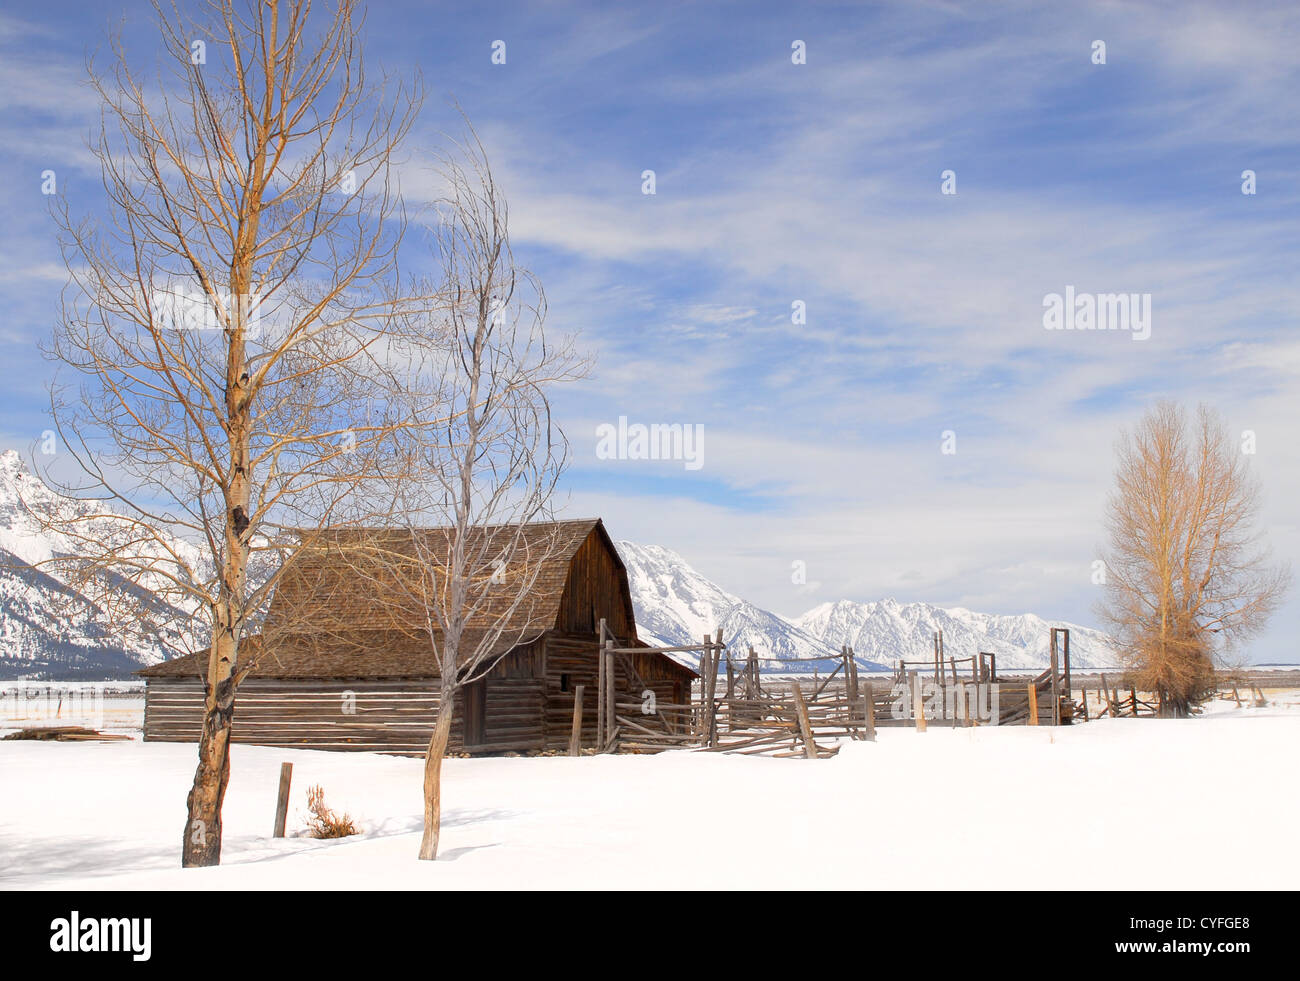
[[674, 605], [677, 605]]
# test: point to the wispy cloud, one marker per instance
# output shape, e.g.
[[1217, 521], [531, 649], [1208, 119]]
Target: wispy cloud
[[820, 183]]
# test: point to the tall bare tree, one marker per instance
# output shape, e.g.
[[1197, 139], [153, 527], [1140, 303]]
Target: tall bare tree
[[1188, 578], [477, 486], [231, 317]]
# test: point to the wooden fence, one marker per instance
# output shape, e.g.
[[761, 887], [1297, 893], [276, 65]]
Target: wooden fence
[[634, 719], [737, 709], [1108, 700]]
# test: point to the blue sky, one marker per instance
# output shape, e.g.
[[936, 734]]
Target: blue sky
[[820, 182]]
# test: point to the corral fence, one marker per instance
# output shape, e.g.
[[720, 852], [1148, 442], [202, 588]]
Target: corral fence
[[736, 708]]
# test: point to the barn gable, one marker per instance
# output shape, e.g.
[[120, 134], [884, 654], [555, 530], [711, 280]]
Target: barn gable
[[596, 588]]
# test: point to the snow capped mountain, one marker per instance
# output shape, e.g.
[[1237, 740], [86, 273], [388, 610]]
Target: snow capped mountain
[[39, 638], [676, 605], [887, 630], [46, 630]]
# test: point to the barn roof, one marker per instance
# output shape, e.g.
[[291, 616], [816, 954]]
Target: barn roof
[[341, 609]]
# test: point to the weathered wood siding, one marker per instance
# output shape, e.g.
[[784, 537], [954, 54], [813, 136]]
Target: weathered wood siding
[[571, 661], [388, 716], [392, 715], [596, 587]]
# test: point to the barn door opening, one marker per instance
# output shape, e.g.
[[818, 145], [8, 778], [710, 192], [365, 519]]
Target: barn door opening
[[475, 714]]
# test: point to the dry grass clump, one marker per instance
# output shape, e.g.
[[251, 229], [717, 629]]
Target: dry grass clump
[[323, 822]]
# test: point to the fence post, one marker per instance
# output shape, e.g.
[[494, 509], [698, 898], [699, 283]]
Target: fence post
[[600, 690], [710, 689], [575, 734], [918, 702], [600, 699], [1056, 684], [1033, 705], [610, 711], [1065, 655], [870, 708], [851, 674], [805, 728], [282, 799]]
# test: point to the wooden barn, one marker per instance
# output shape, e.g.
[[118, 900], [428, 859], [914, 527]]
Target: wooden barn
[[334, 671]]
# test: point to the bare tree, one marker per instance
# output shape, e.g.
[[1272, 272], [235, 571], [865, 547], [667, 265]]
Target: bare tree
[[470, 530], [1187, 576], [232, 319]]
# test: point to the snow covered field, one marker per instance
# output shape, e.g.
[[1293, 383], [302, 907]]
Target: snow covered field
[[1090, 805]]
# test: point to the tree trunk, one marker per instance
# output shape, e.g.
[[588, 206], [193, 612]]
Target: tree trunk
[[201, 845], [202, 841], [433, 777]]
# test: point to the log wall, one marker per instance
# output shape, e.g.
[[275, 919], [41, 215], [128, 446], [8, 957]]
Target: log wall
[[394, 716], [391, 715], [571, 661], [527, 701]]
